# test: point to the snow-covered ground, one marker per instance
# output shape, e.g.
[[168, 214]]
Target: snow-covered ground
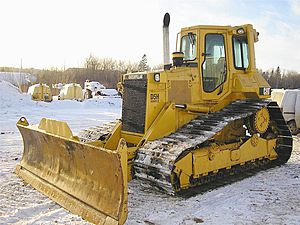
[[269, 197]]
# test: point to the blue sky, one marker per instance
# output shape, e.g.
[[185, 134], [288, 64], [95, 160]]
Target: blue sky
[[277, 21], [54, 33]]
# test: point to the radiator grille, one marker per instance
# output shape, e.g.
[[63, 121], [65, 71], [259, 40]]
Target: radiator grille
[[134, 105]]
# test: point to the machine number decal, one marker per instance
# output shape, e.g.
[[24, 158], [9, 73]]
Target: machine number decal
[[154, 97]]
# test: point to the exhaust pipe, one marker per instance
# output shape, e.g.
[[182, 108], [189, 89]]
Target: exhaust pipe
[[166, 45]]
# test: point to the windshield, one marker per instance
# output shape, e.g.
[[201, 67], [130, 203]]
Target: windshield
[[188, 46]]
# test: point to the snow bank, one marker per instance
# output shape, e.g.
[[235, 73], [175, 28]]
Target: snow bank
[[11, 97]]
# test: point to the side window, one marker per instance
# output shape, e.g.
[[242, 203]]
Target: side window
[[214, 65], [240, 52], [188, 46]]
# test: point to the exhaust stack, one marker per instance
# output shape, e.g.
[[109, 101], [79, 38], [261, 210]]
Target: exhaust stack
[[166, 45]]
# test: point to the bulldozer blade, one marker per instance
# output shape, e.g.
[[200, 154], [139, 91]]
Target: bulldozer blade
[[87, 180]]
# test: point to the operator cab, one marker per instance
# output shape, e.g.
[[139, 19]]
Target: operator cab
[[214, 49]]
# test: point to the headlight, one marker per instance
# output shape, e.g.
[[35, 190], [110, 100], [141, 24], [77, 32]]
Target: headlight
[[157, 77], [240, 31]]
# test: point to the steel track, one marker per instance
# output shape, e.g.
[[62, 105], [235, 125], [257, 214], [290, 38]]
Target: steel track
[[96, 133], [155, 161]]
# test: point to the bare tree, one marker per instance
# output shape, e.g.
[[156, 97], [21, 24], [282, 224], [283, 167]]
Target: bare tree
[[92, 62]]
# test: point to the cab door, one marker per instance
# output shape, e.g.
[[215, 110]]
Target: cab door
[[214, 64]]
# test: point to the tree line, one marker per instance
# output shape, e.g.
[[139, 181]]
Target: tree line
[[108, 78], [108, 72], [282, 79], [105, 70]]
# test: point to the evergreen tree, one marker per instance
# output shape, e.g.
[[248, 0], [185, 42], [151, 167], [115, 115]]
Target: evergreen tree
[[272, 79], [143, 66], [278, 77]]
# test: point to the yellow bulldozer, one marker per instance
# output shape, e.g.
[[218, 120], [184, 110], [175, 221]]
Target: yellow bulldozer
[[204, 117]]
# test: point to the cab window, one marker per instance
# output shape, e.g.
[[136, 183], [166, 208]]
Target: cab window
[[240, 52], [188, 46], [214, 65]]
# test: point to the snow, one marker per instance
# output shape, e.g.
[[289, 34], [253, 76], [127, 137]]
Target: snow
[[12, 99], [93, 85], [109, 92], [17, 78], [269, 197], [58, 86]]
